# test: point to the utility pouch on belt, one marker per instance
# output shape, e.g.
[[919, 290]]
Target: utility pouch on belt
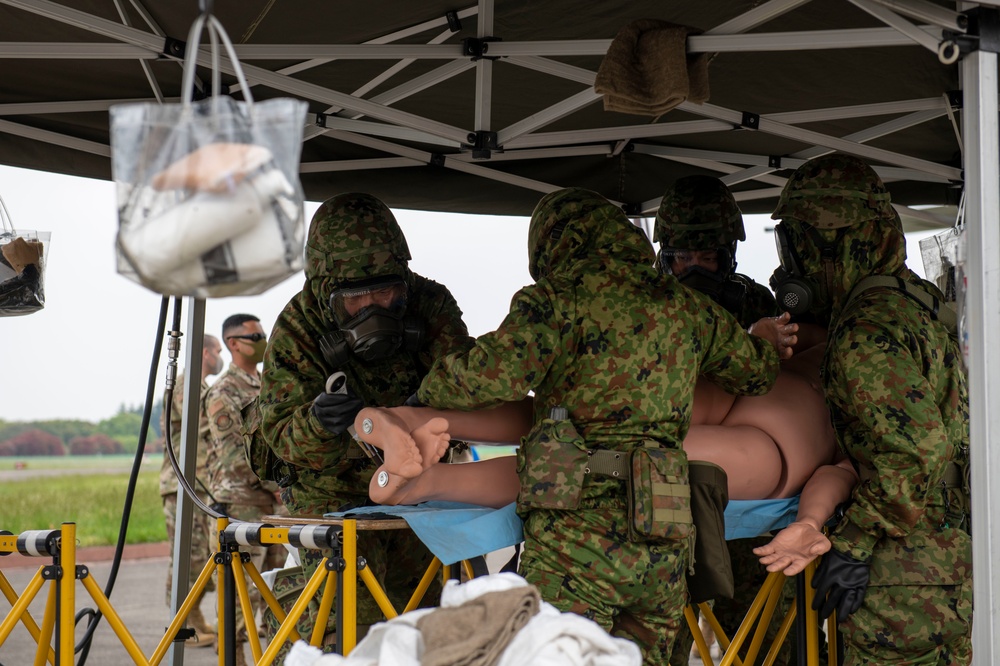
[[551, 463], [659, 495]]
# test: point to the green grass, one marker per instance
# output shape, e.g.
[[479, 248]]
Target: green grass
[[93, 502]]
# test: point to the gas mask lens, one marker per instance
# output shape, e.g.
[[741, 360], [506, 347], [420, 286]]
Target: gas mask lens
[[387, 293]]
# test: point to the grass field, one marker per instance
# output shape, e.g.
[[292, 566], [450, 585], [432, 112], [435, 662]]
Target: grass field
[[121, 461], [93, 501]]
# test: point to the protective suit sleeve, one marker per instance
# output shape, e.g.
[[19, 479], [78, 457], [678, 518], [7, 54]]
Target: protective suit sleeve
[[294, 374], [738, 362], [503, 365], [888, 421]]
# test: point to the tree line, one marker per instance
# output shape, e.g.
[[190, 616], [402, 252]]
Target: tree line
[[117, 434]]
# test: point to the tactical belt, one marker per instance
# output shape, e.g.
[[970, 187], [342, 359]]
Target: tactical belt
[[603, 462]]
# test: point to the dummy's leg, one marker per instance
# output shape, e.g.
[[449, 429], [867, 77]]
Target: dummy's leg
[[390, 483], [749, 456], [388, 432], [490, 482]]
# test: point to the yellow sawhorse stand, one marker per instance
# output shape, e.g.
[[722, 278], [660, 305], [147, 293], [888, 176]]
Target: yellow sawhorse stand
[[760, 613], [341, 572]]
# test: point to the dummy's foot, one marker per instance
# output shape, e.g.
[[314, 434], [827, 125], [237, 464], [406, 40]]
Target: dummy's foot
[[432, 440], [388, 432], [793, 548]]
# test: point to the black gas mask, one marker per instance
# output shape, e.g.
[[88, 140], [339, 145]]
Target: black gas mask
[[720, 285], [793, 291], [370, 322]]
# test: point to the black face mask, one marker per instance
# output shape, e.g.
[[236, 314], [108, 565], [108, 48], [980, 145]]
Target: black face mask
[[373, 335], [726, 291], [793, 291]]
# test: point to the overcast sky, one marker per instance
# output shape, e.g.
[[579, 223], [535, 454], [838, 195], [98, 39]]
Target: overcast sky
[[89, 350]]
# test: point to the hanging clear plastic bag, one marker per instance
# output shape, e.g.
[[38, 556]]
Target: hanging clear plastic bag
[[22, 267], [943, 257], [209, 198]]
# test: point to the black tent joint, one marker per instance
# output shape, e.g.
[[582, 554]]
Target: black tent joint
[[436, 160], [482, 144], [476, 47], [750, 120], [454, 23], [174, 48], [983, 34], [320, 120], [955, 99], [774, 161]]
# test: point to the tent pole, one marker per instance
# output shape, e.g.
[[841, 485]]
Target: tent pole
[[188, 456], [982, 183]]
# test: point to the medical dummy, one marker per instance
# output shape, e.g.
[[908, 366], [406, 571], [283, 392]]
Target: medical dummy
[[773, 446]]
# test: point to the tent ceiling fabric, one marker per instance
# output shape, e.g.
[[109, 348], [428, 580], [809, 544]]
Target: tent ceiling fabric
[[400, 99]]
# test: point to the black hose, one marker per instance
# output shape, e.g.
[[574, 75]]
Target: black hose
[[83, 647]]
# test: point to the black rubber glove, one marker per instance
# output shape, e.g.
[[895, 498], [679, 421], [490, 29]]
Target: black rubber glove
[[413, 401], [336, 411], [840, 584]]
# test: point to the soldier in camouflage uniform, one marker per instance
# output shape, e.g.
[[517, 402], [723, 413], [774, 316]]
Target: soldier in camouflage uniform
[[698, 226], [202, 525], [235, 489], [619, 347], [900, 570], [355, 251]]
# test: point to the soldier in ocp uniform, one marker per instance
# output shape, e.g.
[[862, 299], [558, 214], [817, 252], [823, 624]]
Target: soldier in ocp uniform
[[612, 351], [201, 524], [236, 491], [698, 226], [364, 313], [899, 574]]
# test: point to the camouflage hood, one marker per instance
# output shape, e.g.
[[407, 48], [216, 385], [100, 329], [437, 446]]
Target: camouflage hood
[[352, 237], [574, 224], [839, 203], [698, 213]]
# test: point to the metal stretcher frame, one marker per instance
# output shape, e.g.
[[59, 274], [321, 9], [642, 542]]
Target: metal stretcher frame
[[343, 571]]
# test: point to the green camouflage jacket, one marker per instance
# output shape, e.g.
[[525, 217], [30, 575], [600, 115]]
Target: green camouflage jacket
[[892, 375], [168, 480], [602, 334], [351, 237], [231, 480]]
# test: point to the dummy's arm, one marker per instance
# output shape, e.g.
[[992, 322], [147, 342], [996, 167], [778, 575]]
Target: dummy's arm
[[798, 544]]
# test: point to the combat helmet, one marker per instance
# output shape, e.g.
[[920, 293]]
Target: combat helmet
[[837, 226], [699, 213]]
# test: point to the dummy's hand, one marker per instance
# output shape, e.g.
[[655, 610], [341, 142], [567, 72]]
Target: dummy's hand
[[336, 411], [793, 548], [778, 332], [840, 583]]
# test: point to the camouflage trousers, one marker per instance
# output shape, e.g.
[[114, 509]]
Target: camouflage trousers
[[748, 575], [907, 625], [582, 562], [201, 550], [398, 561]]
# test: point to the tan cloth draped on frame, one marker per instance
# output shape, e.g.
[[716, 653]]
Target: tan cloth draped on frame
[[647, 71]]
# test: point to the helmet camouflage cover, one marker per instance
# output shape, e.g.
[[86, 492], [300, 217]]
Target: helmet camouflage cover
[[834, 191], [698, 213]]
